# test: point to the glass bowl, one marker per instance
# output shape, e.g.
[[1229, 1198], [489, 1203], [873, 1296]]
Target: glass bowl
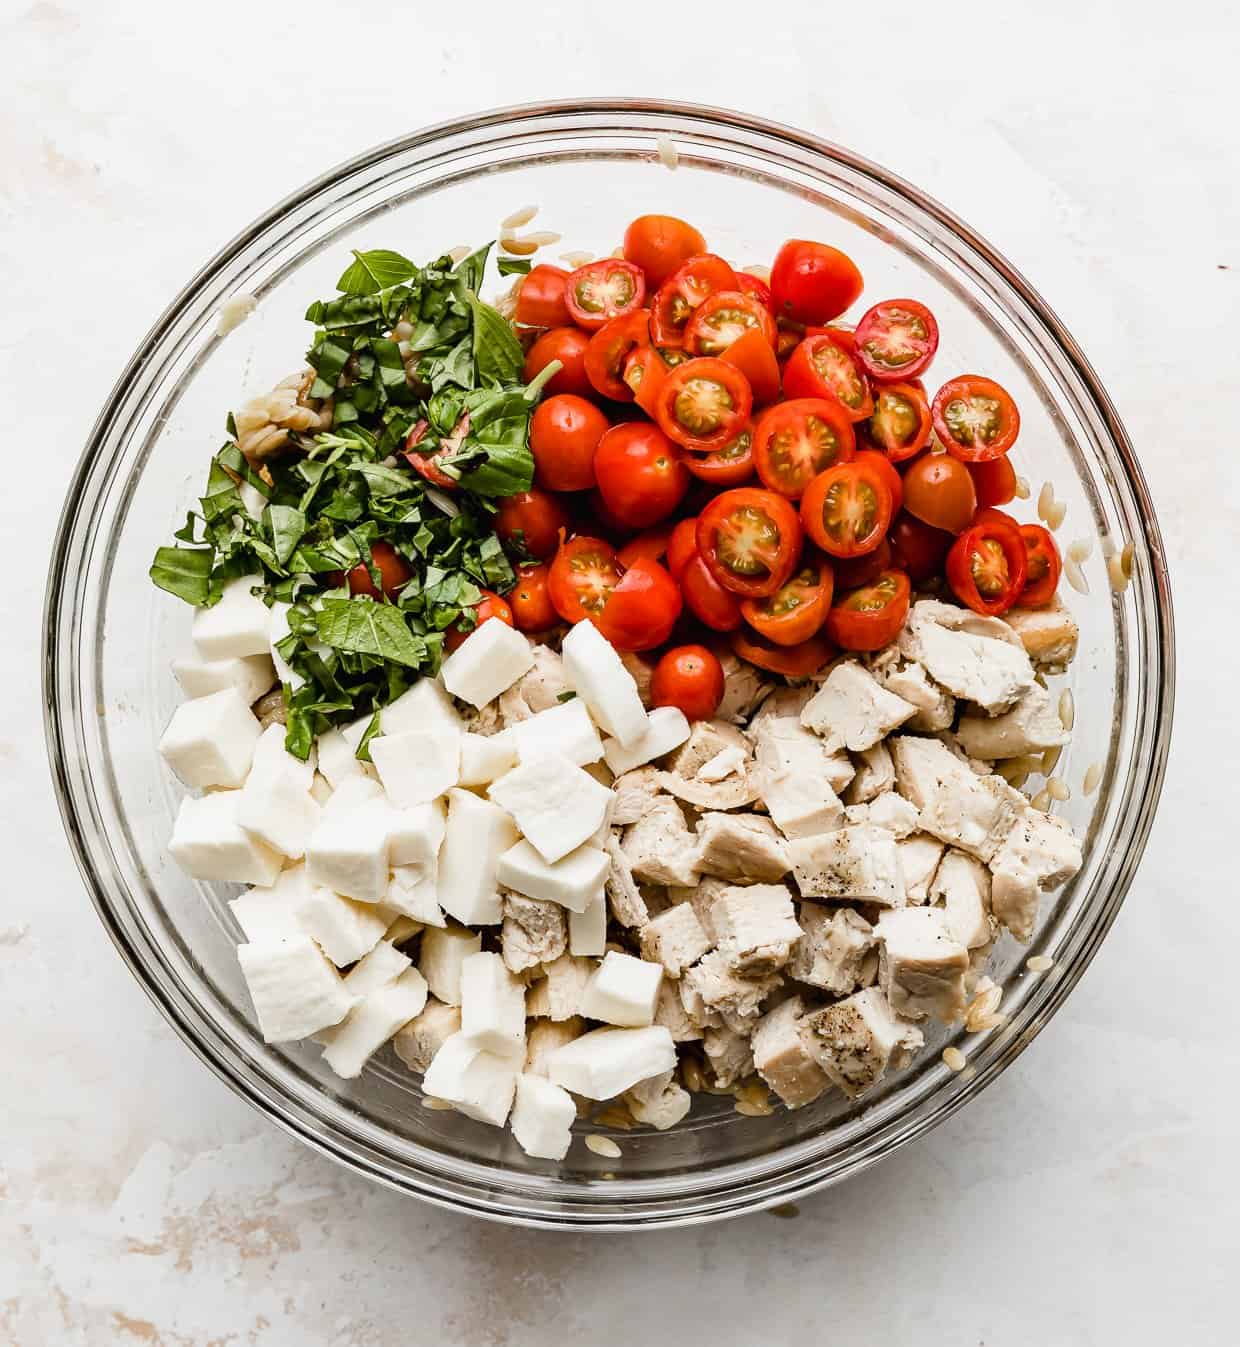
[[590, 167]]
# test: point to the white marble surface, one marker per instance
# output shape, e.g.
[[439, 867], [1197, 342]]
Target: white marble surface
[[1091, 1196]]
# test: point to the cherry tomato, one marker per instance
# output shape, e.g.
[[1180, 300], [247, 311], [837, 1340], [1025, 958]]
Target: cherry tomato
[[651, 544], [722, 318], [540, 300], [567, 345], [687, 287], [994, 480], [939, 491], [639, 473], [609, 348], [870, 617], [1042, 567], [601, 291], [821, 367], [975, 418], [706, 598], [488, 607], [750, 540], [644, 372], [883, 466], [795, 441], [796, 610], [789, 337], [792, 661], [900, 422], [754, 356], [394, 572], [853, 572], [703, 404], [530, 599], [896, 340], [531, 520], [640, 612], [813, 282], [564, 433], [756, 288], [426, 465], [690, 677], [582, 575], [681, 546], [729, 466], [847, 509], [987, 566], [916, 547], [659, 244]]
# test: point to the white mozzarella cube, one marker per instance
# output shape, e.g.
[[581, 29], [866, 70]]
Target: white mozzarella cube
[[211, 740], [476, 1083], [492, 1005], [425, 706], [597, 674], [355, 791], [279, 630], [295, 991], [487, 662], [416, 834], [276, 805], [369, 1026], [338, 760], [542, 1118], [587, 930], [606, 1062], [251, 675], [384, 964], [271, 914], [209, 843], [417, 766], [666, 729], [556, 804], [623, 991], [477, 835], [486, 757], [565, 729], [574, 882], [343, 929], [440, 959], [321, 788], [348, 851], [413, 892], [239, 624]]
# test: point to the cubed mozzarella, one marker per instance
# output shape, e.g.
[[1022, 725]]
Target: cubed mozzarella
[[413, 891], [276, 805], [666, 729], [417, 766], [476, 1083], [623, 991], [574, 882], [353, 793], [565, 729], [416, 834], [587, 930], [440, 959], [279, 630], [369, 1025], [425, 706], [597, 674], [485, 758], [338, 760], [542, 1118], [384, 964], [239, 624], [343, 929], [492, 1005], [477, 835], [295, 991], [210, 741], [251, 675], [606, 1062], [208, 842], [487, 662], [556, 804], [271, 914], [348, 851]]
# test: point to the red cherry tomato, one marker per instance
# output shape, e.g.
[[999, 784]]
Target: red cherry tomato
[[853, 572], [582, 575], [644, 372], [756, 288], [691, 678], [640, 612], [847, 509], [706, 598], [917, 547], [681, 546], [530, 522], [608, 350], [530, 599], [427, 465], [729, 466], [940, 492], [900, 422], [1042, 567], [883, 466], [813, 282], [791, 661], [896, 340], [564, 433], [652, 544], [797, 610], [540, 300], [754, 356], [601, 291], [987, 566], [795, 441], [723, 318], [975, 418], [870, 617], [394, 572], [659, 244], [688, 286], [750, 540], [790, 336], [489, 606], [703, 404], [639, 474], [994, 480], [567, 345], [821, 367]]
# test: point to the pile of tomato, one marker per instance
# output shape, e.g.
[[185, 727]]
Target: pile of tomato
[[720, 453]]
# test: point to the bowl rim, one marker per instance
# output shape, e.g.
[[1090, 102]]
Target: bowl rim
[[802, 1179]]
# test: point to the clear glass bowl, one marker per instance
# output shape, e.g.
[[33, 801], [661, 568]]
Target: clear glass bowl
[[591, 167]]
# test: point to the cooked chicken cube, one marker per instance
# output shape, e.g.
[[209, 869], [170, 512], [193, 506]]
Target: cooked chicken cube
[[538, 689], [961, 889], [543, 1037], [635, 791], [1031, 726], [658, 1102], [624, 899], [975, 813], [837, 951], [669, 1011], [557, 996], [697, 1012], [727, 762], [743, 847], [744, 688], [641, 668], [720, 988], [729, 1054], [702, 899], [919, 859], [423, 1036], [921, 965], [924, 767], [1049, 635], [756, 928], [875, 774], [793, 767], [1039, 853], [978, 658], [893, 812], [675, 939], [660, 848], [936, 708], [853, 710], [707, 740], [782, 1059], [535, 931], [855, 1040], [857, 862]]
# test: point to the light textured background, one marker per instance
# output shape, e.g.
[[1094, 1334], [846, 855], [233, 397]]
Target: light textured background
[[1091, 1196]]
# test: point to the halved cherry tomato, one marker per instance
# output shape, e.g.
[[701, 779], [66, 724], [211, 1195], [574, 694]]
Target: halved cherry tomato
[[870, 617], [883, 466], [994, 480], [706, 598], [564, 433], [940, 492], [975, 418], [792, 661], [687, 287], [900, 422], [603, 290], [567, 345], [488, 607], [754, 356], [394, 572], [987, 566], [729, 466], [724, 317], [847, 509], [640, 474], [682, 546], [659, 244], [644, 372], [917, 547], [530, 599], [813, 282], [426, 465], [641, 610], [756, 288], [531, 521], [540, 300], [583, 574], [853, 572], [789, 337], [797, 609], [795, 441], [750, 540], [673, 355], [691, 678], [703, 404], [609, 348], [896, 340], [651, 544], [1042, 567], [821, 367]]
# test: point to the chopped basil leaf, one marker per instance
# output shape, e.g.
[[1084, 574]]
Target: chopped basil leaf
[[375, 271], [185, 572], [368, 628], [513, 266]]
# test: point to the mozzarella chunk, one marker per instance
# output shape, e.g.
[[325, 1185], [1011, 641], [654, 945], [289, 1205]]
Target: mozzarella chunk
[[440, 959], [743, 847], [574, 882], [1039, 853], [476, 1083], [489, 660], [919, 859], [343, 929], [557, 996], [348, 851], [587, 930], [208, 842], [793, 774], [782, 1059], [556, 804], [756, 928], [210, 741], [239, 624], [979, 659], [425, 706], [492, 1005], [415, 835], [534, 932], [477, 835], [1031, 726], [659, 848], [384, 964], [251, 675], [837, 951], [418, 1041], [666, 729], [922, 966], [565, 729], [857, 862], [855, 1040], [962, 888], [276, 805], [413, 891], [338, 760], [417, 766], [597, 674], [354, 792], [403, 928], [622, 991], [271, 914], [606, 1062], [295, 991], [853, 710], [486, 757], [675, 939], [369, 1026], [542, 1118]]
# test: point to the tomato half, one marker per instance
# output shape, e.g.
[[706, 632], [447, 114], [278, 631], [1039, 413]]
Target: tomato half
[[644, 372], [791, 661], [540, 300], [789, 336], [940, 492], [488, 607], [682, 546], [603, 290], [426, 465], [1043, 566], [987, 566], [703, 404], [564, 433], [870, 617], [609, 348], [582, 575], [651, 544], [853, 572], [689, 285], [640, 474], [729, 466], [756, 288], [847, 509], [567, 345], [530, 599], [394, 572], [530, 522], [821, 367], [886, 470], [900, 423], [797, 609], [750, 540], [724, 317], [754, 356], [994, 480], [690, 677], [975, 418], [706, 598], [917, 547], [659, 244], [795, 441], [641, 610], [813, 282], [896, 340]]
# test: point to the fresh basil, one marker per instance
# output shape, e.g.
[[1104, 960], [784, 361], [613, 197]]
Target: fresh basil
[[185, 572], [374, 271], [365, 627], [513, 266]]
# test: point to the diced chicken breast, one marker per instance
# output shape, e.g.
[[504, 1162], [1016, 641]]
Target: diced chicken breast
[[853, 710], [782, 1059], [756, 928], [658, 1102], [635, 792], [1031, 726], [706, 741], [1038, 853], [875, 774], [669, 1011], [535, 931], [744, 847], [856, 1039], [961, 889], [675, 939], [975, 813], [702, 897], [641, 668], [858, 862], [558, 995], [837, 951], [660, 848], [720, 988], [730, 1055], [922, 966], [793, 769], [1049, 635], [538, 689], [936, 708], [977, 658], [418, 1042], [624, 898], [893, 812], [924, 767], [919, 859], [744, 688], [543, 1037]]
